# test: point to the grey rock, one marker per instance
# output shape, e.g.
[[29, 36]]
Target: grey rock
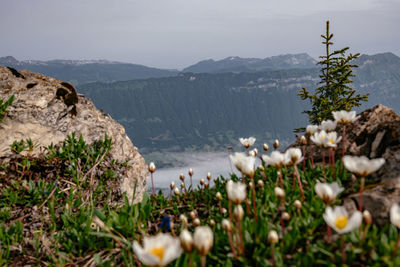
[[47, 110], [376, 134]]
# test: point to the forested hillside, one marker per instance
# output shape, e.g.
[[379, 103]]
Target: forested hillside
[[212, 110]]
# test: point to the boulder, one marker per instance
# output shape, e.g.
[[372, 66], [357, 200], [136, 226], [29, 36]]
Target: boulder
[[47, 110], [376, 134]]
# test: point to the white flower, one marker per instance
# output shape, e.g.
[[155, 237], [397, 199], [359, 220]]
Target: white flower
[[183, 219], [152, 167], [297, 204], [328, 192], [339, 220], [273, 237], [236, 191], [277, 159], [328, 125], [293, 156], [203, 239], [226, 225], [247, 142], [176, 191], [279, 192], [238, 212], [186, 240], [243, 163], [332, 139], [252, 153], [158, 250], [395, 215], [344, 117], [311, 129], [320, 138], [362, 166]]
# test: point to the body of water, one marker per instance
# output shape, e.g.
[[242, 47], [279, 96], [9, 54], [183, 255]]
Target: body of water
[[217, 163]]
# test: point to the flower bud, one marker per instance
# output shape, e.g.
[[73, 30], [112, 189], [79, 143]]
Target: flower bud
[[186, 240], [255, 151], [183, 219], [260, 183], [297, 204], [273, 237], [182, 185], [276, 143], [303, 140], [202, 182], [172, 185], [203, 239], [367, 217], [251, 184], [218, 196], [206, 185], [261, 167], [224, 210], [251, 153], [238, 212], [190, 172], [182, 177], [265, 147], [208, 176], [215, 180], [226, 225], [279, 192], [193, 214], [285, 216], [211, 223], [176, 191], [196, 222], [152, 167]]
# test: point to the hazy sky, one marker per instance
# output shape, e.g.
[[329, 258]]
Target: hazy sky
[[178, 33]]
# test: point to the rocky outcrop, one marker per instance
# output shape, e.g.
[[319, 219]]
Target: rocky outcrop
[[376, 134], [47, 110]]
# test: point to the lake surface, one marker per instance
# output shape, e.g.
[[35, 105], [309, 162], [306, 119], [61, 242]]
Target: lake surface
[[217, 163]]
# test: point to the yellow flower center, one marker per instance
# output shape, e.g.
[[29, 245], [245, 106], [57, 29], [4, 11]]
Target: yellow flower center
[[331, 141], [341, 221], [322, 137], [158, 252]]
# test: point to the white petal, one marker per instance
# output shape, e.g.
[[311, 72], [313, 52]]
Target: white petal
[[353, 223], [395, 215], [173, 251], [143, 256]]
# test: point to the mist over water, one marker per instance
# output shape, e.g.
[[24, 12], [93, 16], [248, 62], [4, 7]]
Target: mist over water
[[217, 163]]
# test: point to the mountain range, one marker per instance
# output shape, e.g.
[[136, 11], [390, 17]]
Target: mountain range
[[211, 107], [86, 71], [238, 64]]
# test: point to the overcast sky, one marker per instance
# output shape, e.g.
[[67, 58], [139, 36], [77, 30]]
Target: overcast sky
[[178, 33]]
